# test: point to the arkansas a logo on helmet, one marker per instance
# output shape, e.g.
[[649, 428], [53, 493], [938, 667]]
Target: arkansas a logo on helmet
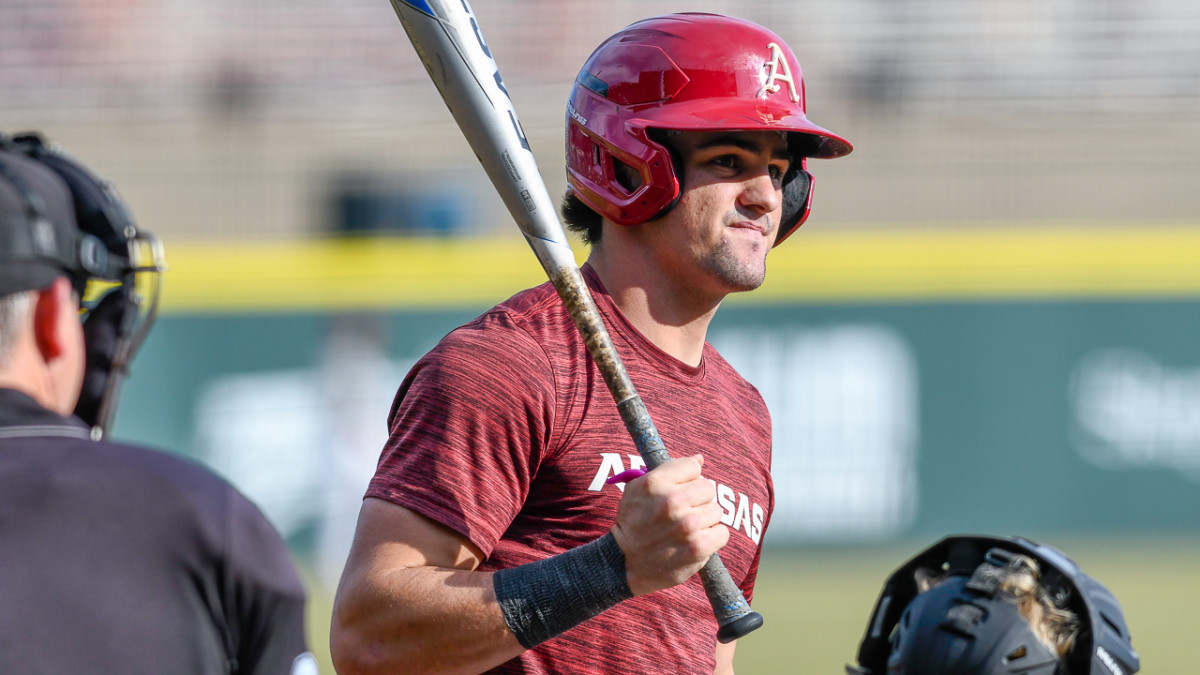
[[779, 71], [684, 72]]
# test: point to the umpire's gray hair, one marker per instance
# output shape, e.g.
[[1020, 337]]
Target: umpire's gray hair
[[15, 311]]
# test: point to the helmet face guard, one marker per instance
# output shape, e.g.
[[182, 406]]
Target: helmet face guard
[[684, 72], [101, 243], [931, 632]]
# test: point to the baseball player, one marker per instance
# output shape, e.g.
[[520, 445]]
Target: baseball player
[[507, 528], [113, 558], [980, 605]]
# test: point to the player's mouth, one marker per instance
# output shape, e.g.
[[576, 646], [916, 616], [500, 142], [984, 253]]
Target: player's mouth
[[752, 227]]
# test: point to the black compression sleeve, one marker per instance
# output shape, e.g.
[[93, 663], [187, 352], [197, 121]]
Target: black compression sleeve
[[547, 597]]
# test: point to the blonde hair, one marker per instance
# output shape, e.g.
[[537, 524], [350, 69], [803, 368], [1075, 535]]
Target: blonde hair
[[1018, 580]]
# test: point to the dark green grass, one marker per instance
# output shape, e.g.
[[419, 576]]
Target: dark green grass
[[816, 603]]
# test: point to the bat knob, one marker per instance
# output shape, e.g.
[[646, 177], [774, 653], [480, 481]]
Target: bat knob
[[739, 627]]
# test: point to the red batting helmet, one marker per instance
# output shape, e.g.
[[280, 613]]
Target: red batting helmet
[[684, 72]]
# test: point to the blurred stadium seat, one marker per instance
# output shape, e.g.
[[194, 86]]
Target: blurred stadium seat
[[222, 119]]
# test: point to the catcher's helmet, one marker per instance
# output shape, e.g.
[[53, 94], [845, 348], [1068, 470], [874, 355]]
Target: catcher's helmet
[[57, 218], [684, 72], [961, 627]]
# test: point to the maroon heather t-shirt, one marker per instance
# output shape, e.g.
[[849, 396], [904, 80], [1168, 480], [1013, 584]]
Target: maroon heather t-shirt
[[505, 432]]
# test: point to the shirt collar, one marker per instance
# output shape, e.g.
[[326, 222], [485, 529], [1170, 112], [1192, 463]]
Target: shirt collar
[[19, 409]]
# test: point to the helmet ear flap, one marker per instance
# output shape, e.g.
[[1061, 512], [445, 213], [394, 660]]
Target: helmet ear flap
[[797, 201], [627, 184], [661, 136]]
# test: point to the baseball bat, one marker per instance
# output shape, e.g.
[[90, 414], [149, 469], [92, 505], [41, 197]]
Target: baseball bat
[[450, 44]]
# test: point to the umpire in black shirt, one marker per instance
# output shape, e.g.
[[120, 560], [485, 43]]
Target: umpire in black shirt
[[113, 558]]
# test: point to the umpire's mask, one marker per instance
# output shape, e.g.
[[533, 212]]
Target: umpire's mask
[[59, 219]]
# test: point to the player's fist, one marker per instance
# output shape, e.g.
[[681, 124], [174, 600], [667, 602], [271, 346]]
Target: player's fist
[[668, 525]]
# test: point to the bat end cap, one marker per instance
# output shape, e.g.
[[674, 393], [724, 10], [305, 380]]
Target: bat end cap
[[739, 627]]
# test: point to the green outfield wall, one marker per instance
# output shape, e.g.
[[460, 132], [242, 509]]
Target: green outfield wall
[[1042, 379]]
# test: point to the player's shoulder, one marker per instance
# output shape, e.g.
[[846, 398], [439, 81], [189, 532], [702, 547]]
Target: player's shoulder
[[531, 307], [502, 350], [527, 319], [725, 375]]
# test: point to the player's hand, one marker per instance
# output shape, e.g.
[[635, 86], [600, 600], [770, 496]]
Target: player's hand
[[668, 525]]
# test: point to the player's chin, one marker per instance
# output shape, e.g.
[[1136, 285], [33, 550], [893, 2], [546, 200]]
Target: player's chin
[[748, 284], [751, 246], [742, 277]]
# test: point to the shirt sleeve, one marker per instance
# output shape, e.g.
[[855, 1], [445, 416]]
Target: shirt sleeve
[[469, 426]]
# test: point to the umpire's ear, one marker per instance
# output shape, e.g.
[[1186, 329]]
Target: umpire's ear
[[58, 335], [55, 308]]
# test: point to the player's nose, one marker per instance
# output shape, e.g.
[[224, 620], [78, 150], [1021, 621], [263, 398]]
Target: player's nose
[[762, 193]]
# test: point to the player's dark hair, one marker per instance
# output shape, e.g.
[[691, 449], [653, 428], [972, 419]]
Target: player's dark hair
[[581, 219]]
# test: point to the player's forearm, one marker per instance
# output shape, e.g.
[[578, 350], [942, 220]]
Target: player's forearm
[[725, 658], [420, 620]]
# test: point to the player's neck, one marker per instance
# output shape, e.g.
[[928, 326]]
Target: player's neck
[[667, 312]]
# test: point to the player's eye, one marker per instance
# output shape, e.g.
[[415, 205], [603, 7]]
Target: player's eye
[[779, 172], [727, 161]]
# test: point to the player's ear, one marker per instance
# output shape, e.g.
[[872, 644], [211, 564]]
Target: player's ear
[[56, 307]]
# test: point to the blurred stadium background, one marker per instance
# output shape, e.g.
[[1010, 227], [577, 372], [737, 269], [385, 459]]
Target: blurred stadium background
[[990, 323]]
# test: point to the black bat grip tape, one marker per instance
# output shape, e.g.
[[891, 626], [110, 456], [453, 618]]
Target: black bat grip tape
[[733, 613]]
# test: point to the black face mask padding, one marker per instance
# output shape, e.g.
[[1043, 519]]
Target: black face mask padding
[[660, 136], [107, 324], [795, 198]]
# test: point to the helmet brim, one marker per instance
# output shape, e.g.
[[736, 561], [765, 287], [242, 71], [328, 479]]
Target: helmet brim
[[27, 275], [724, 114]]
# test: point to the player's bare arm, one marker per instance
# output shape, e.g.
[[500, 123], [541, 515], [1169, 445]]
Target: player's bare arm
[[410, 600], [725, 658], [411, 597]]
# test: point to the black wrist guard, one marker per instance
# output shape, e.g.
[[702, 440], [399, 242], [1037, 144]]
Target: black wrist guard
[[547, 597]]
